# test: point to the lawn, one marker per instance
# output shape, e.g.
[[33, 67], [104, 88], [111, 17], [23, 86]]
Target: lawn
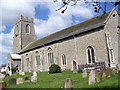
[[46, 80]]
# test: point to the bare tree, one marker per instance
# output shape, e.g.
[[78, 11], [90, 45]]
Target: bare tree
[[95, 3]]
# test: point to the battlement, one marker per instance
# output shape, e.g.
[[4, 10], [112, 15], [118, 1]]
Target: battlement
[[26, 19]]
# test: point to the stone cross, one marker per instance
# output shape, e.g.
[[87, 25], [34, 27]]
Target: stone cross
[[84, 74], [68, 84], [92, 77]]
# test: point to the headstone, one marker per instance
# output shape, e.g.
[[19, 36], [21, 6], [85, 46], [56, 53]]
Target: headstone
[[68, 84], [84, 74], [92, 77], [26, 80], [2, 85], [19, 81], [97, 76], [103, 75], [12, 81], [33, 78], [34, 73], [114, 71]]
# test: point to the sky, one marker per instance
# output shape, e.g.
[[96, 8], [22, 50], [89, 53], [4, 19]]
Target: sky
[[46, 19]]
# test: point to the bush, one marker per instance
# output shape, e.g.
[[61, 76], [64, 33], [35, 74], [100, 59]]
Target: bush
[[54, 68]]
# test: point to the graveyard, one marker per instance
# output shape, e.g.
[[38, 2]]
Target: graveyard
[[78, 80]]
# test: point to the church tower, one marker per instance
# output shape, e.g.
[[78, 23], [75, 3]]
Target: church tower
[[24, 33]]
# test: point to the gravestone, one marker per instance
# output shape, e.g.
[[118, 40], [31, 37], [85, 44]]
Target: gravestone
[[26, 79], [68, 84], [97, 76], [34, 73], [2, 85], [33, 78], [84, 74], [92, 77], [12, 81], [114, 71], [103, 75], [19, 81]]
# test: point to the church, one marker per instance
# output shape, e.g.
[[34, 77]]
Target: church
[[92, 43]]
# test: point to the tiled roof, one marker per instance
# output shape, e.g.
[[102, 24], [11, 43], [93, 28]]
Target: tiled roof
[[78, 28]]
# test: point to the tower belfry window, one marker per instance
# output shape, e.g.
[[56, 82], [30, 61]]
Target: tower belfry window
[[27, 28]]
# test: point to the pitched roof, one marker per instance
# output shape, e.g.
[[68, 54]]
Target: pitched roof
[[78, 28]]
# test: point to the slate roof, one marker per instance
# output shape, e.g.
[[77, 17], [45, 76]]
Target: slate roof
[[78, 28]]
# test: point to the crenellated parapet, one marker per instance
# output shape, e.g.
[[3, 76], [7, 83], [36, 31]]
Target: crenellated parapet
[[23, 18]]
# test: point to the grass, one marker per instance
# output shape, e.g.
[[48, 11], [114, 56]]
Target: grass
[[46, 80]]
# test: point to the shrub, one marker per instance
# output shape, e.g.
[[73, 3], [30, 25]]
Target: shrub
[[54, 68]]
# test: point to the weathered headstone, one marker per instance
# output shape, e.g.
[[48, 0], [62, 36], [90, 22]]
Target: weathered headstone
[[12, 81], [33, 78], [26, 80], [68, 84], [19, 81], [97, 76], [92, 77], [34, 73], [114, 71], [84, 74], [103, 75], [2, 85]]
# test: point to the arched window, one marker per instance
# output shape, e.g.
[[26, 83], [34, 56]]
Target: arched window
[[27, 28], [91, 56], [64, 59], [50, 56], [37, 58]]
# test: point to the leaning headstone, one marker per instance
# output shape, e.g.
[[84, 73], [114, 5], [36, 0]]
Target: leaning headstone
[[84, 74], [19, 81], [34, 73], [33, 78], [103, 75], [92, 77], [12, 81], [68, 84]]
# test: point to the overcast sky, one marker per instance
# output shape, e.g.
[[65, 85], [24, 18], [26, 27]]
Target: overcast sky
[[47, 20]]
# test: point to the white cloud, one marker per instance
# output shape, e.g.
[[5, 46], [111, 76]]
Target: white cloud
[[58, 21]]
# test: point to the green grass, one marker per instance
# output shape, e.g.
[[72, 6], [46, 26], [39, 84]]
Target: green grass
[[46, 80]]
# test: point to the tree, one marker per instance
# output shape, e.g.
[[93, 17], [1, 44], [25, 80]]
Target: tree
[[95, 3]]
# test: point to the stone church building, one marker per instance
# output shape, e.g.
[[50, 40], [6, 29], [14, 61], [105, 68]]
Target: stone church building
[[94, 42]]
